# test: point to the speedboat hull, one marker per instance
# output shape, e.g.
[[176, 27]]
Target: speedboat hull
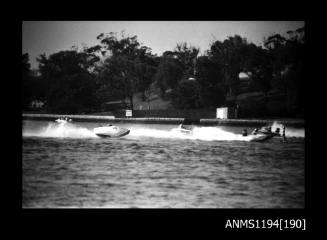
[[263, 134], [111, 131], [184, 130], [260, 137]]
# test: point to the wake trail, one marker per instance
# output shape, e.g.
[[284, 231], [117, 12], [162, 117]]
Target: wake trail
[[60, 130], [70, 130]]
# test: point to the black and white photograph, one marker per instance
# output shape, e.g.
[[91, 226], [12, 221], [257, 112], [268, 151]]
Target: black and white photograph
[[163, 114]]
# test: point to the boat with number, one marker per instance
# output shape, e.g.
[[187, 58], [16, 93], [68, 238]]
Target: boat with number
[[263, 134]]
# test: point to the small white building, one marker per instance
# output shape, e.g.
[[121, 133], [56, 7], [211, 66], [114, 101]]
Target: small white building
[[222, 113]]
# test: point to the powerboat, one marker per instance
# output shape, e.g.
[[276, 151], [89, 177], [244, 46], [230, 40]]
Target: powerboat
[[260, 137], [63, 120], [263, 134], [185, 130], [111, 131]]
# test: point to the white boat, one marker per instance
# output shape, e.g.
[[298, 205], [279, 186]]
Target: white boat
[[63, 120], [260, 137], [181, 128], [111, 131]]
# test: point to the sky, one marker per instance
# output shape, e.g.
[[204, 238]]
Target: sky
[[48, 37]]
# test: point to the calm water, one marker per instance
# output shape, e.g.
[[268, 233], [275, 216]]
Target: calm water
[[66, 165]]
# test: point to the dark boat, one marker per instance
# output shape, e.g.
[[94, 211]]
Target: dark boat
[[263, 134]]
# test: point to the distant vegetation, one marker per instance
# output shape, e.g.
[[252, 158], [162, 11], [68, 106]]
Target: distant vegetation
[[260, 81]]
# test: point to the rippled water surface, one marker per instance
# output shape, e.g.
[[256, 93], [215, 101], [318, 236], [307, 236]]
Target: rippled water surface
[[66, 165]]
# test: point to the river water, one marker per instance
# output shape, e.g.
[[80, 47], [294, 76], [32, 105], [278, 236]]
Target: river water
[[155, 166]]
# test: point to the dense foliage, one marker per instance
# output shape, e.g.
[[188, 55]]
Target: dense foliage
[[76, 81]]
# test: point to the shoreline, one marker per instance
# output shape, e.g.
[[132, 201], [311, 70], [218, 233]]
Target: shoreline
[[153, 120]]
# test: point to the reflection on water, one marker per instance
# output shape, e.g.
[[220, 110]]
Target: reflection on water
[[158, 171]]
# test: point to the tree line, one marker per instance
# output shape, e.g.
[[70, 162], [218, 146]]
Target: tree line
[[118, 67]]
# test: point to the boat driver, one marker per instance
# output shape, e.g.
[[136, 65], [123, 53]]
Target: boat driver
[[255, 131], [244, 133]]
